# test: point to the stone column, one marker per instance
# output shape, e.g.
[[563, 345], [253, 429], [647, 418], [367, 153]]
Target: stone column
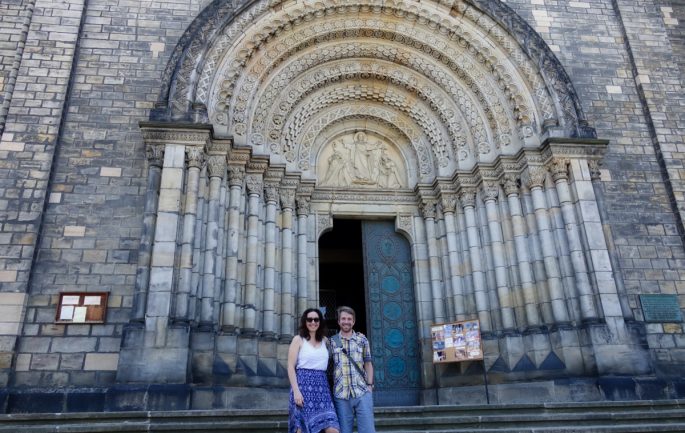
[[583, 288], [536, 180], [468, 202], [490, 195], [287, 296], [198, 245], [303, 207], [236, 175], [194, 160], [254, 191], [163, 252], [271, 199], [527, 277], [428, 210], [216, 169], [155, 157], [449, 205]]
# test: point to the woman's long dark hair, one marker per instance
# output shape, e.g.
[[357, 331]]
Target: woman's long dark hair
[[303, 332]]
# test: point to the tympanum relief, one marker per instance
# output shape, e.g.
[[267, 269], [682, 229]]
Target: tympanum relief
[[361, 160]]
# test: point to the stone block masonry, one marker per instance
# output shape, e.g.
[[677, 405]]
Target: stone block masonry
[[77, 77]]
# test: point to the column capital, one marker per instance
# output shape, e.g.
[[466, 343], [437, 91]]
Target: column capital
[[287, 198], [195, 156], [448, 202], [303, 205], [595, 173], [428, 208], [490, 191], [559, 168], [271, 192], [467, 196], [236, 175], [155, 155], [216, 166], [511, 184], [254, 184], [536, 176]]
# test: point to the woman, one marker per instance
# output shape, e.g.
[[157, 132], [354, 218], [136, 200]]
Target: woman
[[311, 408]]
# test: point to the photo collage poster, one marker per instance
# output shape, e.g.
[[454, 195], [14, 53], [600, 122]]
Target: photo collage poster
[[456, 342]]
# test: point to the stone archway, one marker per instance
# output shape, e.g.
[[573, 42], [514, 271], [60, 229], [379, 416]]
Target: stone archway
[[437, 115]]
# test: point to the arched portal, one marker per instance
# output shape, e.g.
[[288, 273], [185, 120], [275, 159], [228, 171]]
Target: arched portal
[[451, 118]]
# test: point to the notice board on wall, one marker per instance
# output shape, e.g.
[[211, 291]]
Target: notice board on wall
[[81, 307], [457, 341]]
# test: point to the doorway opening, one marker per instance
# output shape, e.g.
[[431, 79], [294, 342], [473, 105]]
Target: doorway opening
[[341, 273]]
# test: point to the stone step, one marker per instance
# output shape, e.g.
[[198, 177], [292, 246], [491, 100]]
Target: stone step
[[609, 417]]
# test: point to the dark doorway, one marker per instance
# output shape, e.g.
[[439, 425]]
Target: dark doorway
[[341, 272]]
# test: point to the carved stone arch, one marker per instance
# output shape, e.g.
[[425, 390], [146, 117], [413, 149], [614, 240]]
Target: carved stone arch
[[194, 60], [398, 100], [274, 112]]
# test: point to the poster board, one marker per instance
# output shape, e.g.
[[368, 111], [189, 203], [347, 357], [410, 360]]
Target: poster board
[[456, 342], [81, 307]]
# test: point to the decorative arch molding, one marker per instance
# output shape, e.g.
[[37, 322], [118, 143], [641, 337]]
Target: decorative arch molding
[[200, 48]]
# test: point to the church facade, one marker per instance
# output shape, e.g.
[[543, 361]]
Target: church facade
[[207, 170]]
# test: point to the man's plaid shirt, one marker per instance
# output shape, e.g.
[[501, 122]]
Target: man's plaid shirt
[[348, 382]]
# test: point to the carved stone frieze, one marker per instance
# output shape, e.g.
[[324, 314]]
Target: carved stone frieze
[[175, 136]]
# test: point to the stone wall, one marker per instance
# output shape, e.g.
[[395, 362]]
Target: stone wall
[[74, 178]]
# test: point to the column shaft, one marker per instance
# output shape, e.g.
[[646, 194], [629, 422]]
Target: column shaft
[[194, 158]]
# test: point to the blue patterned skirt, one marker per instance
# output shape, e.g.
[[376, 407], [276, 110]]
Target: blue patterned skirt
[[318, 412]]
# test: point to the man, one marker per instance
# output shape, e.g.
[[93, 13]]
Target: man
[[353, 376]]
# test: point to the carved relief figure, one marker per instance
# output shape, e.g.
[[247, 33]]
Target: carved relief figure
[[365, 163], [338, 167], [360, 163]]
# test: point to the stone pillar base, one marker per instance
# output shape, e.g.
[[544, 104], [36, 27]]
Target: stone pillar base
[[141, 362]]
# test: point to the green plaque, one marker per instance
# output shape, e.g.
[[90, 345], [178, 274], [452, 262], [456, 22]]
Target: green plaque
[[661, 308]]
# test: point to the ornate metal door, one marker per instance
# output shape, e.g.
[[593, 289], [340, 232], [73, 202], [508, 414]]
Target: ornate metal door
[[391, 315]]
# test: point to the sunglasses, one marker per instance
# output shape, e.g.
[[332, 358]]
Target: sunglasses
[[313, 319]]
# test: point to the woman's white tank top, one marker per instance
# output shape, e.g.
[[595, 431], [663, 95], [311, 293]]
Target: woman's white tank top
[[312, 358]]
